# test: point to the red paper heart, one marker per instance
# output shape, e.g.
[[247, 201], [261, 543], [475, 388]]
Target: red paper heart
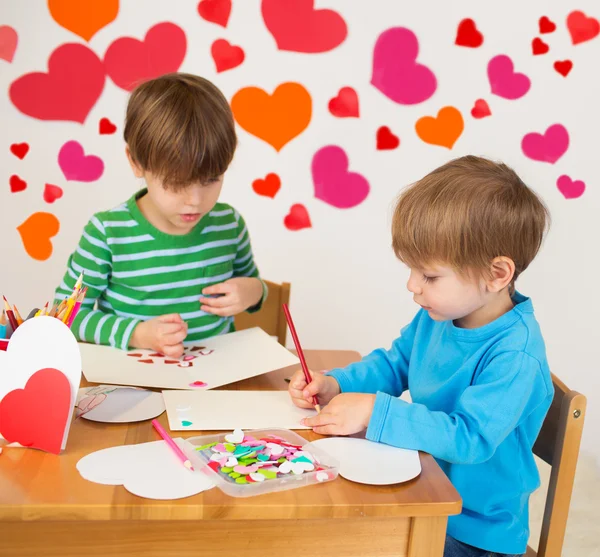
[[581, 27], [69, 90], [215, 11], [345, 105], [467, 34], [226, 55], [106, 127], [546, 26], [267, 187], [129, 62], [296, 26], [19, 150], [37, 415], [297, 218], [539, 47], [386, 139], [480, 109], [563, 67], [16, 184], [52, 193]]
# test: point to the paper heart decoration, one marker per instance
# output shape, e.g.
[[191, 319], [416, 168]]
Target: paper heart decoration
[[83, 18], [297, 218], [276, 118], [345, 105], [226, 55], [215, 11], [546, 26], [581, 27], [106, 127], [16, 184], [443, 130], [296, 26], [396, 72], [8, 43], [62, 93], [36, 234], [129, 62], [76, 166], [333, 183], [40, 374], [52, 193], [236, 437], [547, 147], [563, 67], [480, 109], [571, 189], [539, 47], [386, 139], [295, 467], [275, 449], [504, 81], [19, 150], [467, 34], [267, 187]]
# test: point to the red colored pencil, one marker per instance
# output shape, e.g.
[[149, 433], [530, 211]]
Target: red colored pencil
[[307, 376], [11, 316]]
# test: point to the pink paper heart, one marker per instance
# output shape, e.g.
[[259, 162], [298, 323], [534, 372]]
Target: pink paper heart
[[245, 469], [396, 72], [8, 43], [548, 147], [333, 183], [75, 165], [504, 81], [571, 189]]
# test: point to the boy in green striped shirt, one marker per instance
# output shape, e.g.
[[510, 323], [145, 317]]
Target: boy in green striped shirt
[[171, 264]]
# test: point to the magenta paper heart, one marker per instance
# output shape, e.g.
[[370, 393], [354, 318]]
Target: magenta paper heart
[[76, 166], [333, 183], [396, 72], [504, 81], [571, 189], [548, 147]]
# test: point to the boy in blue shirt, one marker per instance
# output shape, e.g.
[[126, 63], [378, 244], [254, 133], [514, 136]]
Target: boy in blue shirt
[[473, 356]]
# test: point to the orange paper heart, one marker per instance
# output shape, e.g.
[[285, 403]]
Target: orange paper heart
[[36, 233], [83, 18], [442, 130], [276, 118]]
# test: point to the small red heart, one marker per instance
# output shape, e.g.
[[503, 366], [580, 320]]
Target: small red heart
[[37, 415], [582, 28], [135, 355], [52, 193], [539, 47], [225, 55], [345, 105], [215, 11], [16, 184], [468, 34], [297, 218], [147, 361], [198, 384], [386, 139], [267, 187], [171, 361], [563, 67], [480, 109], [19, 149], [546, 26], [106, 127]]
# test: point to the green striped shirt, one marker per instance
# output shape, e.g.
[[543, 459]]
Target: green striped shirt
[[135, 272]]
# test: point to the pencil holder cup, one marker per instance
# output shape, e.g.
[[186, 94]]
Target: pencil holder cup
[[40, 372]]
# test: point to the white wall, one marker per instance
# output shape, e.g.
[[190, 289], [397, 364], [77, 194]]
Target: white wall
[[348, 289]]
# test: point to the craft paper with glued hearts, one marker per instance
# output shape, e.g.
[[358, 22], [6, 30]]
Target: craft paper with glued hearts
[[39, 344]]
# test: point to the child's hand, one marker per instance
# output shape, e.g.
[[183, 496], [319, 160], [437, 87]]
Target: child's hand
[[164, 334], [323, 386], [237, 295], [346, 414]]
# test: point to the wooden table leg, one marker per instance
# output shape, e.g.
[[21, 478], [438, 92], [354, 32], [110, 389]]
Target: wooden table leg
[[427, 536]]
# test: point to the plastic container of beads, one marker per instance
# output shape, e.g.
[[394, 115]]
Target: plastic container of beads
[[262, 461]]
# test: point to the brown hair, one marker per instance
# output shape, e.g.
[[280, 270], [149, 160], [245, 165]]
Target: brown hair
[[464, 214], [180, 127]]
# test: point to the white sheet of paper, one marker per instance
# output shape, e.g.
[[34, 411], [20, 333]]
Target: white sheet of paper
[[114, 404], [221, 360], [229, 410], [150, 470], [366, 462]]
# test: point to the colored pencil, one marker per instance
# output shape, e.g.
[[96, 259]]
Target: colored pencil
[[307, 375], [76, 307], [178, 452], [17, 315], [3, 325], [11, 316]]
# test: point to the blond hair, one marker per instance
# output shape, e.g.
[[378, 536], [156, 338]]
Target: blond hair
[[466, 213], [180, 128]]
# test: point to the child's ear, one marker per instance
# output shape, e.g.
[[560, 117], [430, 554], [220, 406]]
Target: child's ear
[[137, 171], [502, 271]]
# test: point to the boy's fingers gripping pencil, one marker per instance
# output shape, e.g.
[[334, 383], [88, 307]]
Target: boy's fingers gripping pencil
[[307, 375], [180, 454]]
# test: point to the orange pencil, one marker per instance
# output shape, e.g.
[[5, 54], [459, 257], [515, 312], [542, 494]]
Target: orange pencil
[[11, 316], [17, 315]]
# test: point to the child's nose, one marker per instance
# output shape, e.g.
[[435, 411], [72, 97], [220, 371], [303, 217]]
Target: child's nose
[[413, 285]]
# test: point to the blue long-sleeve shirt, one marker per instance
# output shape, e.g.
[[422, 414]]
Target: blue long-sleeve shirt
[[479, 399]]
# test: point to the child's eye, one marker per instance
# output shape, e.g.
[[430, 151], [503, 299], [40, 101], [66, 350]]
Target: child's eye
[[429, 279]]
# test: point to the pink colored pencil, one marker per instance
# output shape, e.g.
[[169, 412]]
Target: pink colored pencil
[[180, 454]]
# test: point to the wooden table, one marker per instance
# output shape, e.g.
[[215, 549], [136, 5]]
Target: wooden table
[[48, 510]]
